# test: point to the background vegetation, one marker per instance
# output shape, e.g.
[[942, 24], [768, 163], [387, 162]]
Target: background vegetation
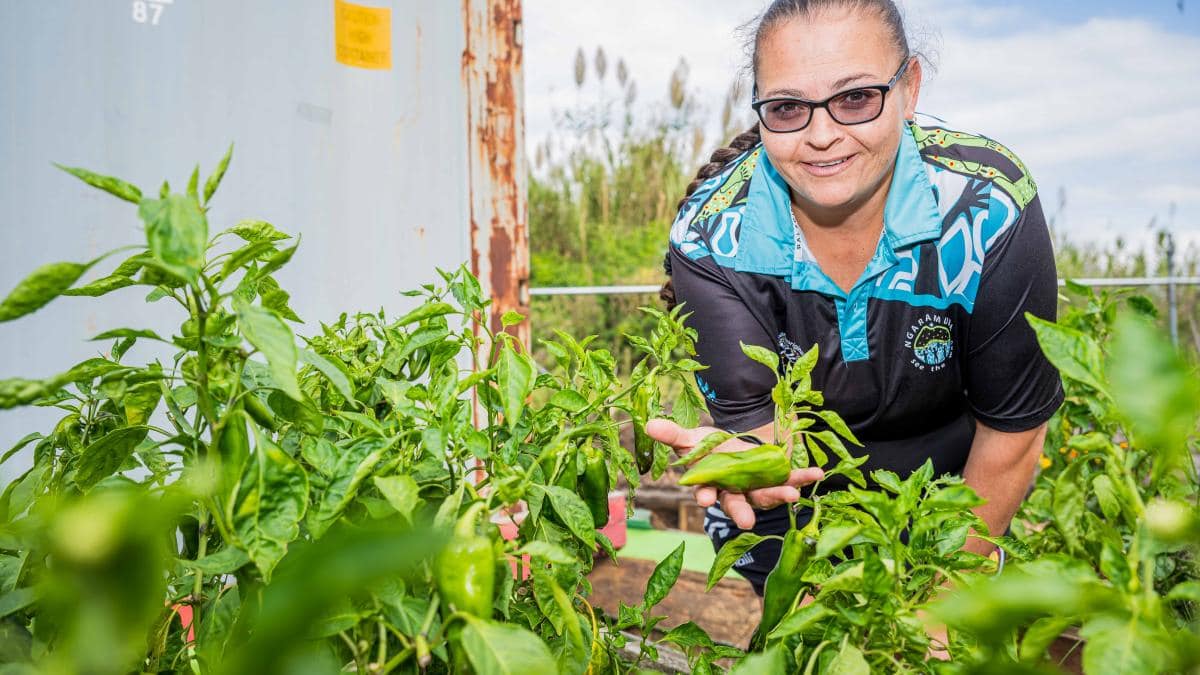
[[606, 182]]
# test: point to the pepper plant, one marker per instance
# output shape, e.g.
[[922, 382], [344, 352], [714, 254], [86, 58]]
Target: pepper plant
[[1111, 519], [252, 503], [848, 592]]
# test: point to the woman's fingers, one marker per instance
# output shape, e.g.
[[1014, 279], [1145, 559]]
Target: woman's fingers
[[802, 477], [670, 433], [706, 495], [735, 506]]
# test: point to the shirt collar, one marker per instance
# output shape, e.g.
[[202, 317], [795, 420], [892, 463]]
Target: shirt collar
[[910, 214]]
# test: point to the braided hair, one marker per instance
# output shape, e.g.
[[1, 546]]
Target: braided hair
[[716, 164]]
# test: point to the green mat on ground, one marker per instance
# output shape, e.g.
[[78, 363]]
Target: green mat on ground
[[655, 545]]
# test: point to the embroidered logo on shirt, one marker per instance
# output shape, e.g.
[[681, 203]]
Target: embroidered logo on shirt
[[931, 340]]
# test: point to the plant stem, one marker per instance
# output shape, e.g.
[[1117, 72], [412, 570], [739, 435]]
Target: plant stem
[[198, 584]]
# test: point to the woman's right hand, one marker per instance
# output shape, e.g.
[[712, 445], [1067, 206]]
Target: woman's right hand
[[738, 506]]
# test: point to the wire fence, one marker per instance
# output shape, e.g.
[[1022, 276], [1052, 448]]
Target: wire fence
[[1171, 282]]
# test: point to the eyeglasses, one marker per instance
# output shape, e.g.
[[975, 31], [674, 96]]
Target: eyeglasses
[[853, 106]]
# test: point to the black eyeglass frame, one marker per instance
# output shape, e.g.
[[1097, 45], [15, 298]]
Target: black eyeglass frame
[[814, 106]]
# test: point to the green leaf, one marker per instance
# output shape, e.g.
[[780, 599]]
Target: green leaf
[[1187, 590], [214, 180], [703, 448], [34, 291], [953, 498], [275, 298], [257, 231], [689, 635], [569, 400], [1067, 505], [1076, 355], [113, 186], [401, 491], [121, 277], [1040, 635], [761, 355], [177, 233], [799, 620], [663, 578], [106, 455], [848, 661], [244, 255], [29, 438], [427, 310], [770, 662], [193, 186], [505, 649], [1118, 645], [514, 376], [271, 500], [118, 333], [267, 332], [834, 538], [548, 552], [573, 512], [1106, 496], [730, 553], [511, 318], [838, 425], [354, 465], [17, 600], [1156, 389], [226, 561], [336, 377]]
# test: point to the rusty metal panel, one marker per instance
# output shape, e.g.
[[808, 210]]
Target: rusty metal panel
[[386, 170], [492, 75]]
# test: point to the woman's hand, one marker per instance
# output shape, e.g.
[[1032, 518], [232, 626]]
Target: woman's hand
[[738, 506]]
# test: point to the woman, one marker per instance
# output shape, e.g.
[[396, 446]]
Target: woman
[[907, 251]]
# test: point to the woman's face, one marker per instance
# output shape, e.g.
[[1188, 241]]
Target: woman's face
[[814, 58]]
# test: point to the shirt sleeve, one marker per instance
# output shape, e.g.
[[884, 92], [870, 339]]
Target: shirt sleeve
[[737, 390], [1010, 385]]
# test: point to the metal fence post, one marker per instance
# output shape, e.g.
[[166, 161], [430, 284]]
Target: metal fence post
[[1172, 308]]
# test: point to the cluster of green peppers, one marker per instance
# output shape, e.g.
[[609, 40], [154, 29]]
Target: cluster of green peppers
[[591, 482]]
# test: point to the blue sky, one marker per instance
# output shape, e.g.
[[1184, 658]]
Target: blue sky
[[1101, 98]]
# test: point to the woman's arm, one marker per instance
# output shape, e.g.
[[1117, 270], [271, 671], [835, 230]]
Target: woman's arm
[[1000, 468]]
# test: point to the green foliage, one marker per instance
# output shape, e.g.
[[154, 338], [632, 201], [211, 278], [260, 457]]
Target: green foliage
[[1111, 521], [296, 498]]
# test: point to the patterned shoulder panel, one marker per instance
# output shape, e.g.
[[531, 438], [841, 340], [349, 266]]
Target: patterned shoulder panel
[[976, 156], [708, 222], [981, 189]]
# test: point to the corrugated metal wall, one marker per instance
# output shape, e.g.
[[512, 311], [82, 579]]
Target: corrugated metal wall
[[385, 173]]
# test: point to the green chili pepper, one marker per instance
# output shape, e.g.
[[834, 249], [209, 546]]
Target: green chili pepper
[[259, 412], [465, 569], [643, 447], [758, 467], [563, 478], [784, 583], [233, 448], [593, 485]]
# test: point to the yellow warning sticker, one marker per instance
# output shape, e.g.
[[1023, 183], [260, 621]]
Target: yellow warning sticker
[[362, 36]]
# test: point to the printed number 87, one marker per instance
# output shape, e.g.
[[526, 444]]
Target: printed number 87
[[142, 12]]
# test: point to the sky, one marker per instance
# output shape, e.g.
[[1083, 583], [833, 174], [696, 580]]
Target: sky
[[1100, 98]]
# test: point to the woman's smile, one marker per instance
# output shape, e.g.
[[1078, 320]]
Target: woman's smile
[[824, 168]]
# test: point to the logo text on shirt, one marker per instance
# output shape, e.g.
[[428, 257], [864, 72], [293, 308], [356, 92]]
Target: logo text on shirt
[[931, 340]]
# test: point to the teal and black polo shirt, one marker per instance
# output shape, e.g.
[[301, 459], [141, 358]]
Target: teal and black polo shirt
[[931, 338]]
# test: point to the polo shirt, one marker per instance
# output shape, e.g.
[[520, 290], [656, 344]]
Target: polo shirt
[[932, 337]]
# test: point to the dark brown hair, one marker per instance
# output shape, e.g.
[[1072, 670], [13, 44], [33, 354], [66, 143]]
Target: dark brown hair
[[757, 31]]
